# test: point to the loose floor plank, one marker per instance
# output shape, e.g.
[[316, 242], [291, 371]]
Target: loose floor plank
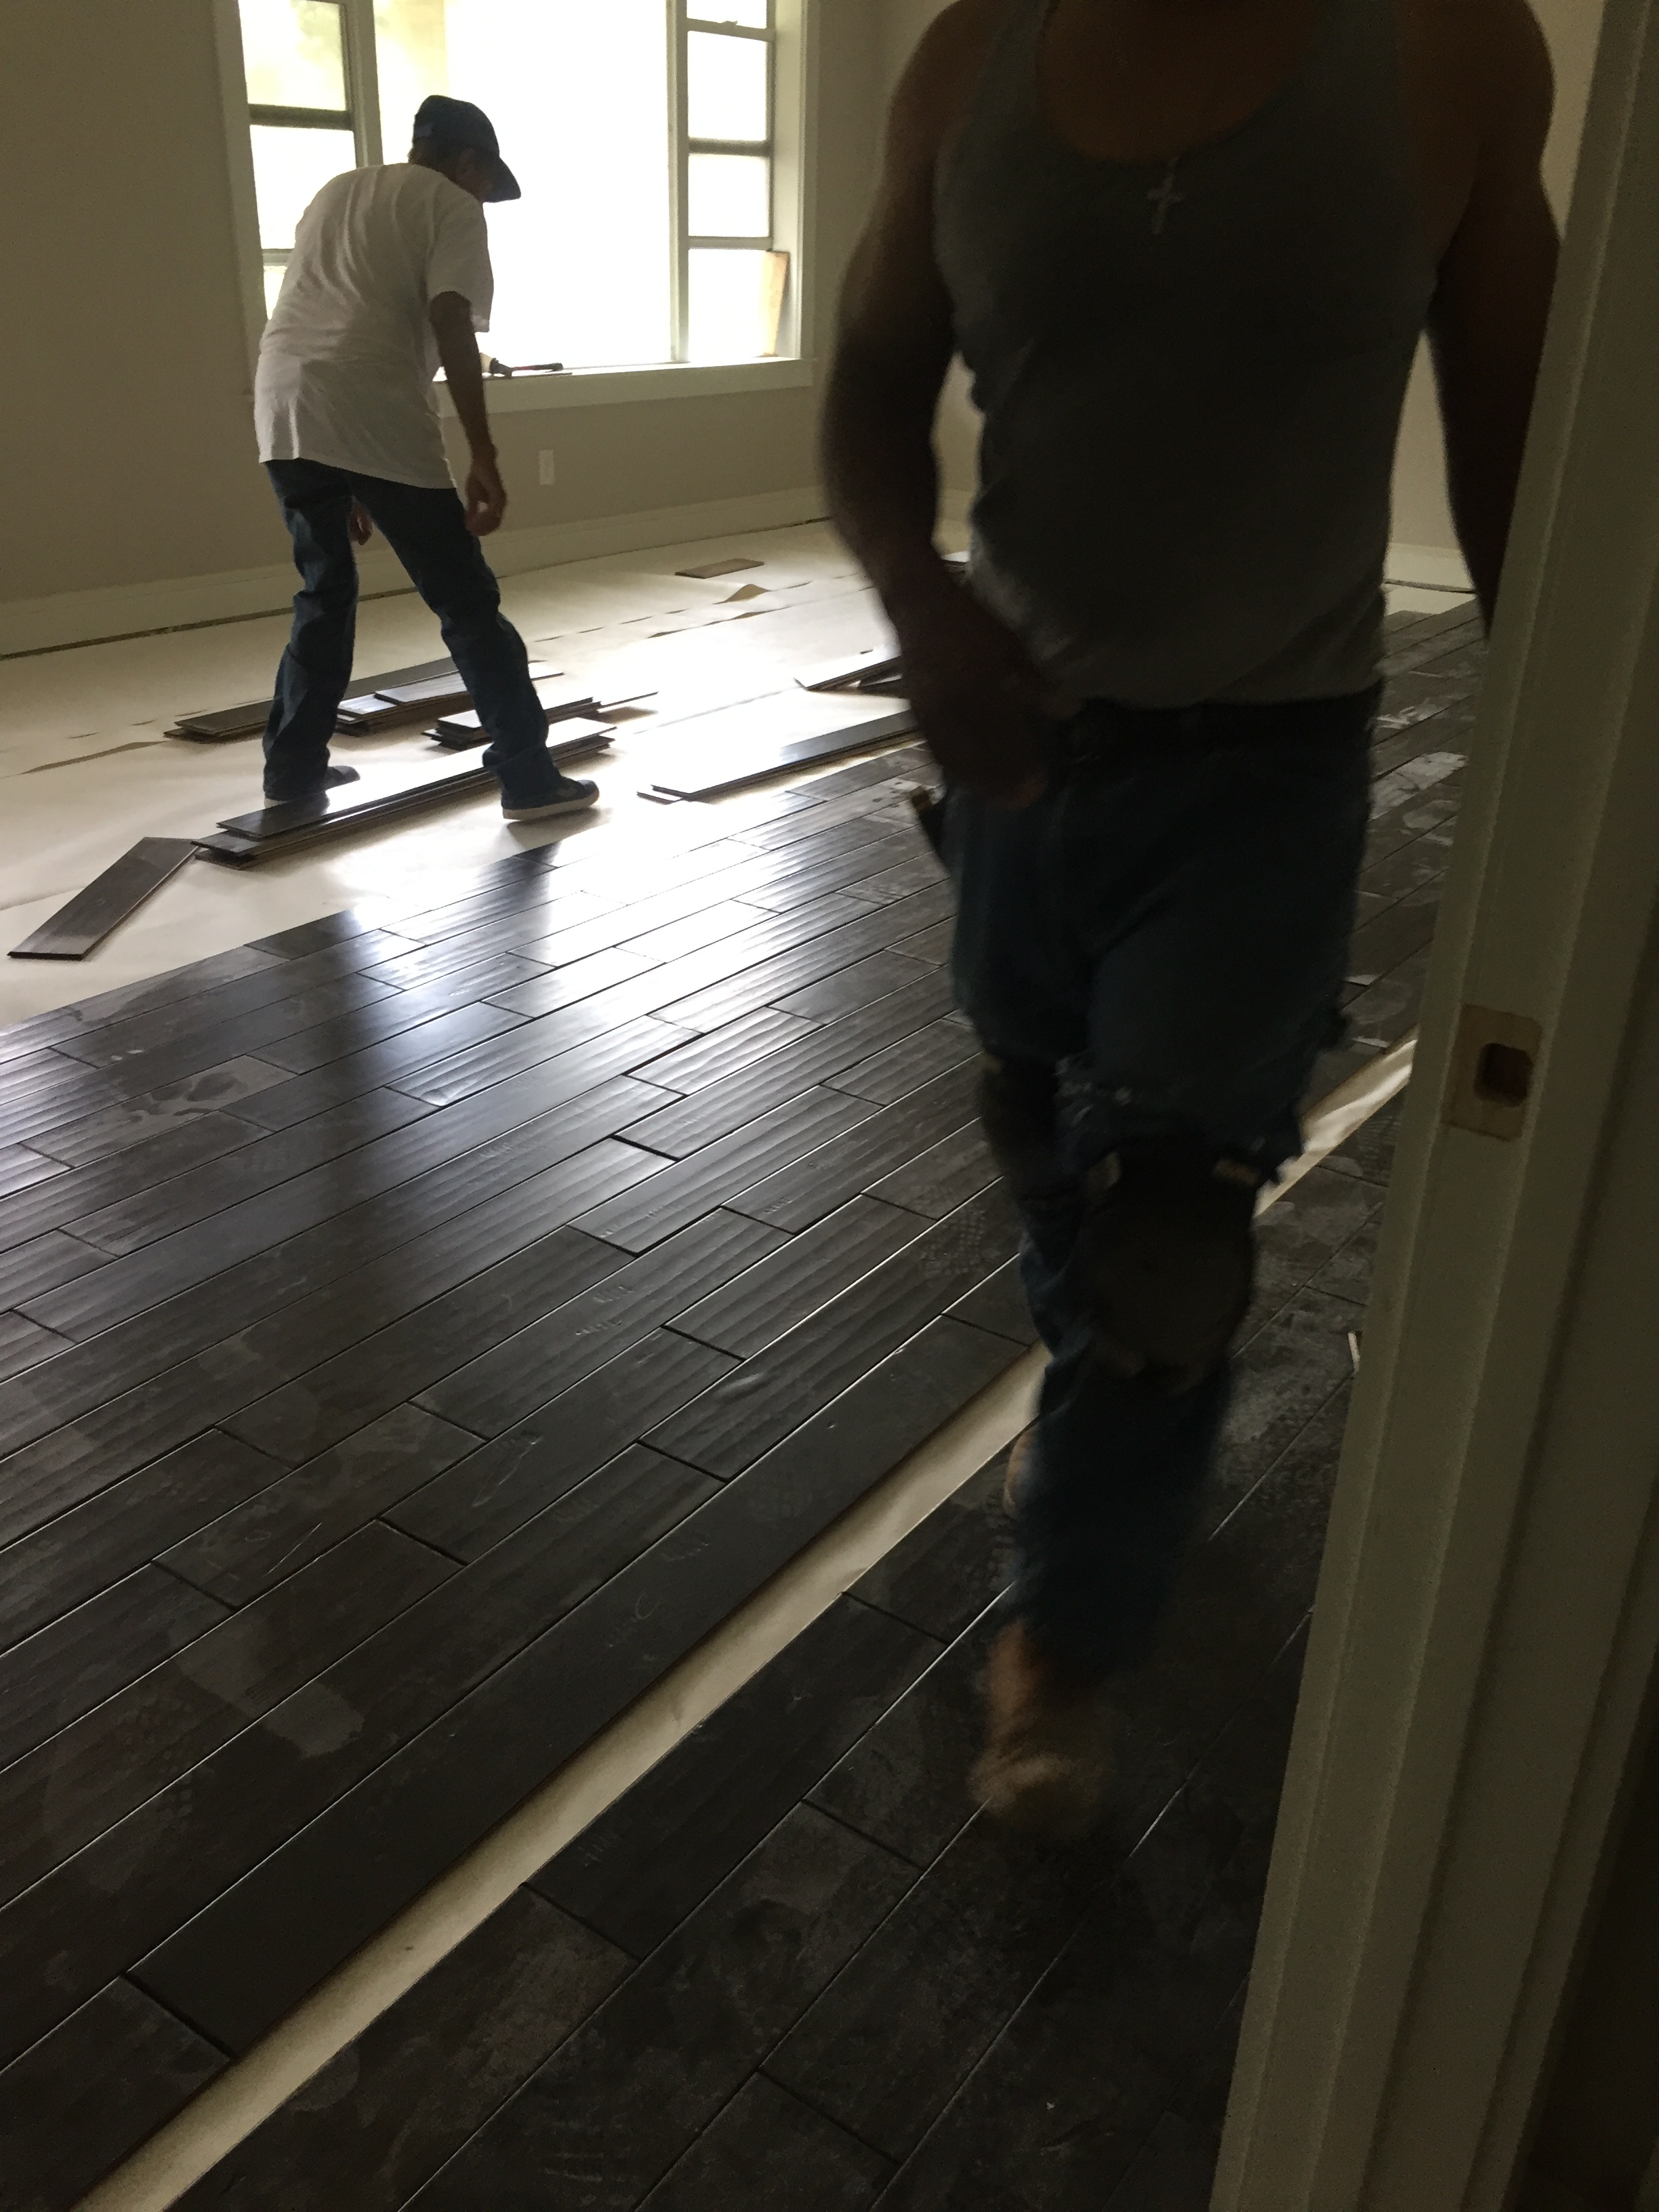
[[81, 926], [220, 724]]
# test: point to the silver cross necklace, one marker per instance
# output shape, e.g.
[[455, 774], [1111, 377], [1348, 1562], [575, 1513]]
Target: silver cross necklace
[[1164, 197]]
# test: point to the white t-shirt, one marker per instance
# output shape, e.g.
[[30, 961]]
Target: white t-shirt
[[348, 357]]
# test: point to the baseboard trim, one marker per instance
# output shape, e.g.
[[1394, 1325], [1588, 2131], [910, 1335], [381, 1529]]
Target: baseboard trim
[[123, 611], [1431, 567], [120, 611]]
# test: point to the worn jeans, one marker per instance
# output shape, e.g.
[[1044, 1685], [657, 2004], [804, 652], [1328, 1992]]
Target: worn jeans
[[1166, 930], [427, 530]]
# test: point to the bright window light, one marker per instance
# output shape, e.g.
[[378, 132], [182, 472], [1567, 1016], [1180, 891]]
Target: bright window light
[[294, 53], [578, 97], [726, 291], [729, 196], [290, 168], [646, 229], [726, 82]]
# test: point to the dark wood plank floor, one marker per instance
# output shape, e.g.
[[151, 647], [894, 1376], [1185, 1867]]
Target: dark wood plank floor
[[790, 1967], [417, 1337]]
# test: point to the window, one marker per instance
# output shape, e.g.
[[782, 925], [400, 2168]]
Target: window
[[729, 280], [642, 132], [306, 116]]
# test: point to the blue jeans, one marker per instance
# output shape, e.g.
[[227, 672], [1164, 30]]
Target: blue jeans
[[1161, 939], [427, 530]]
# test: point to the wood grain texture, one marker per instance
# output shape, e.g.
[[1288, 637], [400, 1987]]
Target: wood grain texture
[[660, 1189], [81, 926]]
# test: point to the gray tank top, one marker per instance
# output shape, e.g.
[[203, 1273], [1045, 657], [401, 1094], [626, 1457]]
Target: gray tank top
[[1191, 383]]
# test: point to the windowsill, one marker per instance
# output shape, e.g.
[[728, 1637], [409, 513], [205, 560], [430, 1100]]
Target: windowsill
[[609, 387]]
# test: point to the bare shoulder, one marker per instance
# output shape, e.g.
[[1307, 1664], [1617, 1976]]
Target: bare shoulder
[[1488, 61], [943, 72], [1480, 92], [1517, 78]]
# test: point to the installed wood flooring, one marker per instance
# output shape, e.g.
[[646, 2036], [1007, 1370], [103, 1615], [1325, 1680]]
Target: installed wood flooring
[[417, 1338], [792, 1969]]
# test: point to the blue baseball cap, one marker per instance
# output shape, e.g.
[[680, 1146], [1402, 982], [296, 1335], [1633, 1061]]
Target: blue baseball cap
[[458, 123]]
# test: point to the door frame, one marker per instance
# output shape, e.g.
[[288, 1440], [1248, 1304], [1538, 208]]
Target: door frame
[[1487, 1622]]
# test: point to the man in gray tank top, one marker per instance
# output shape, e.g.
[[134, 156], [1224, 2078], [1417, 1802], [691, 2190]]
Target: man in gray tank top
[[1187, 249]]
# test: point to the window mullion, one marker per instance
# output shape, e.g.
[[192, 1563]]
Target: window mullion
[[678, 181], [760, 147], [303, 119], [362, 79]]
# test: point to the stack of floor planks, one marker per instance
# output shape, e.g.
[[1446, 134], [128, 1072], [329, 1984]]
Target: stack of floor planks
[[226, 724], [270, 832], [393, 699], [401, 694], [579, 713]]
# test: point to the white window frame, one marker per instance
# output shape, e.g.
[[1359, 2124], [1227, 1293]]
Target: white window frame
[[685, 16], [790, 37]]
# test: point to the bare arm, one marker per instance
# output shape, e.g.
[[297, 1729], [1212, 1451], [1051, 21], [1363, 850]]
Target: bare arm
[[976, 696], [484, 494], [894, 345], [1486, 324]]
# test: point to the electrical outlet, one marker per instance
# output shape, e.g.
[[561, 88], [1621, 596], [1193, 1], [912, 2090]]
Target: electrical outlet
[[545, 466]]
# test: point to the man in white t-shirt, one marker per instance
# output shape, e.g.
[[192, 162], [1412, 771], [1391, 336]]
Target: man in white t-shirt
[[389, 278]]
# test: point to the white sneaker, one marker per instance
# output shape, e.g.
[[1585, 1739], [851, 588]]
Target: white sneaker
[[575, 795]]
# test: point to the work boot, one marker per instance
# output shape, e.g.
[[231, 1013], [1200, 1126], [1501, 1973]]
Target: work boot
[[1020, 1459], [1046, 1764]]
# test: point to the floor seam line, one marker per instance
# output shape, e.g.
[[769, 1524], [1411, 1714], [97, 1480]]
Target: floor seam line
[[184, 2150]]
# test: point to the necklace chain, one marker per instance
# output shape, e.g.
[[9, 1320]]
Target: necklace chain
[[1164, 197]]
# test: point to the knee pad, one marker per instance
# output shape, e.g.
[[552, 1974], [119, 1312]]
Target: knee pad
[[1017, 1105], [1166, 1260]]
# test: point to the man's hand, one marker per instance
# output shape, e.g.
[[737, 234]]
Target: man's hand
[[485, 495], [981, 705], [360, 526]]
